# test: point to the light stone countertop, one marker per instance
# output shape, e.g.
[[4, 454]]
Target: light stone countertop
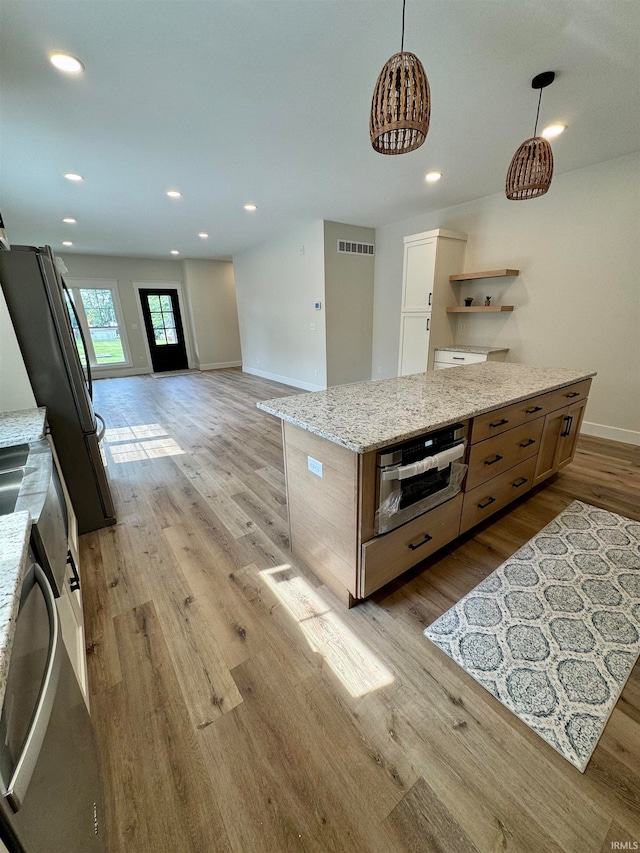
[[14, 540], [365, 416], [22, 426], [464, 348]]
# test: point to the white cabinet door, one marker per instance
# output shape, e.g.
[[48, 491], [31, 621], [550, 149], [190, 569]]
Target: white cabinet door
[[414, 343], [418, 275]]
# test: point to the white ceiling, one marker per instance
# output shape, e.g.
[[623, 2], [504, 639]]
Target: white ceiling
[[268, 101]]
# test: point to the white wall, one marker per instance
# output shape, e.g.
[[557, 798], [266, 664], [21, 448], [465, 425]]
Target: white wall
[[15, 388], [348, 305], [125, 271], [209, 315], [211, 297], [577, 298], [276, 287]]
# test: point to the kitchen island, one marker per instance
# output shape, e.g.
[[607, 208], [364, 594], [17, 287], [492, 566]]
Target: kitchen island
[[528, 417]]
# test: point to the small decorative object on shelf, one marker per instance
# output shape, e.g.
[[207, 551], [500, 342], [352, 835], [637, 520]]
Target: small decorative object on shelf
[[487, 301], [468, 300]]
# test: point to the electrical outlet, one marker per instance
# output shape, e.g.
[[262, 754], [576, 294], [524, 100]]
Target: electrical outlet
[[312, 327], [301, 250], [379, 369], [315, 374], [257, 359], [314, 466]]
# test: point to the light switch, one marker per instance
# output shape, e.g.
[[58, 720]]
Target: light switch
[[312, 327]]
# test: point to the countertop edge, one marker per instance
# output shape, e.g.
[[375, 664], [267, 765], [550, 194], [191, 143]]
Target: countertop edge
[[22, 426], [361, 449], [12, 571]]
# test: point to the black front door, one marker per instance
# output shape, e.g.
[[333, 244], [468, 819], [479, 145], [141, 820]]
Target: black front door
[[163, 325]]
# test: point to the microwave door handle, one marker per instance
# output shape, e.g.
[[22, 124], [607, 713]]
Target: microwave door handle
[[438, 460], [19, 782]]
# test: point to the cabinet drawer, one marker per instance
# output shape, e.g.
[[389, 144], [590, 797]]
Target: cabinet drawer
[[456, 357], [388, 556], [500, 420], [491, 457], [484, 500], [565, 396]]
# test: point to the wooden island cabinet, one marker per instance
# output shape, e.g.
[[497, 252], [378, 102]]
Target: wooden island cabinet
[[331, 441]]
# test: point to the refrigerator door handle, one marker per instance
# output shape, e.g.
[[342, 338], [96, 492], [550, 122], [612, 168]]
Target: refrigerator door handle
[[82, 337], [19, 783], [101, 431]]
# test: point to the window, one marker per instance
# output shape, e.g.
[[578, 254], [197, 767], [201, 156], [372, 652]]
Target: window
[[162, 320], [100, 317]]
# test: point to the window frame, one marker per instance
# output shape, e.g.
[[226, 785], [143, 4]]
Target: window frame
[[75, 285]]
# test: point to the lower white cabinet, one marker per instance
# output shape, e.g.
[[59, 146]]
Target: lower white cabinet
[[414, 343], [456, 358]]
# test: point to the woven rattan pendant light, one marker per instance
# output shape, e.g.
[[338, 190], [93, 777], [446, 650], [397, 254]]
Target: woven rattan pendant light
[[401, 104], [531, 169]]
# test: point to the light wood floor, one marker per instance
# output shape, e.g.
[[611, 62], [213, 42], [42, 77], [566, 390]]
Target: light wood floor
[[239, 706]]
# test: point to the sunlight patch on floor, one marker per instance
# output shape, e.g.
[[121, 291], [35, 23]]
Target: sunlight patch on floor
[[352, 661], [144, 441]]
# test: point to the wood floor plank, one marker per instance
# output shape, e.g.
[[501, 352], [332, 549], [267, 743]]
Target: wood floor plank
[[173, 787], [420, 822]]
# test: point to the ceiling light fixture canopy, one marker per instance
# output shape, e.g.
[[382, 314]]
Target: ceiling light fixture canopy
[[531, 168], [401, 104], [72, 176], [432, 177]]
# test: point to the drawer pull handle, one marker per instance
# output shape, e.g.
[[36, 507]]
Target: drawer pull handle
[[573, 394], [426, 539], [528, 443], [499, 423], [519, 483], [493, 461], [533, 410], [458, 358], [567, 430], [486, 503]]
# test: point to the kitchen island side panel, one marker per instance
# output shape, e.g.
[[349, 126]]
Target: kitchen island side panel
[[323, 509]]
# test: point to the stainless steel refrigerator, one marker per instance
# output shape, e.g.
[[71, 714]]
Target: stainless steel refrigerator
[[40, 310]]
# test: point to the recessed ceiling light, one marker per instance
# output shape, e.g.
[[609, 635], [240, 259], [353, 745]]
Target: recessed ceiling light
[[72, 176], [69, 220], [251, 207], [174, 193], [65, 62], [432, 177], [553, 130], [67, 243], [203, 234], [175, 252]]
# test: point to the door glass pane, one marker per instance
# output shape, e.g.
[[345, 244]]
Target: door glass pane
[[160, 337], [154, 303], [168, 319], [172, 337], [165, 303], [103, 325], [157, 321]]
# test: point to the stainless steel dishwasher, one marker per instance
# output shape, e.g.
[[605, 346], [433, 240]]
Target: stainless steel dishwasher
[[51, 794]]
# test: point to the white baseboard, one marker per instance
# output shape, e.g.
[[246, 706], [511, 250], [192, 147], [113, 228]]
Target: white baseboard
[[115, 372], [628, 436], [219, 365], [285, 380]]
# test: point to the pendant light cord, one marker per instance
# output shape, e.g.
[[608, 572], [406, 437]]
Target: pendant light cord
[[404, 3], [535, 132]]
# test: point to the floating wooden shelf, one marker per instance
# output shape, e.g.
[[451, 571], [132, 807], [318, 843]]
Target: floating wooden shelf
[[457, 309], [469, 276]]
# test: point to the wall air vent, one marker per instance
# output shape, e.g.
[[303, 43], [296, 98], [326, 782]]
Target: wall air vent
[[347, 247]]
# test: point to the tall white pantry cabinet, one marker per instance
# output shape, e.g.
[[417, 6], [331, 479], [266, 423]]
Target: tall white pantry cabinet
[[429, 259]]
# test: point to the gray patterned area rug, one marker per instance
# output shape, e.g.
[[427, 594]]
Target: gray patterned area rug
[[554, 632]]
